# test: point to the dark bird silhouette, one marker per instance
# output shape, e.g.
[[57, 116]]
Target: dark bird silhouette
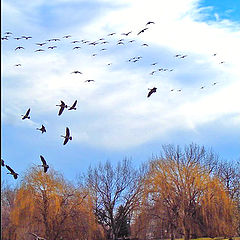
[[183, 56], [132, 41], [94, 55], [62, 106], [178, 55], [90, 80], [142, 31], [52, 47], [152, 72], [8, 33], [26, 37], [17, 65], [17, 38], [44, 164], [15, 175], [55, 39], [26, 115], [154, 63], [104, 42], [67, 136], [19, 48], [42, 129], [75, 41], [202, 87], [172, 90], [40, 44], [150, 22], [153, 90], [37, 237], [73, 107], [126, 34], [214, 83], [214, 54], [77, 47], [103, 49], [2, 163], [39, 50], [145, 45], [67, 36], [76, 72], [221, 62], [5, 38], [120, 43], [110, 34]]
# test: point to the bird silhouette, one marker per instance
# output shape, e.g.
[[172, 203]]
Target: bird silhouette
[[89, 80], [67, 136], [8, 33], [126, 34], [52, 47], [75, 41], [153, 90], [44, 164], [145, 45], [26, 115], [67, 36], [15, 175], [150, 22], [39, 50], [62, 106], [17, 38], [18, 65], [37, 237], [76, 72], [143, 30], [73, 107], [110, 34], [40, 44], [76, 47], [26, 37], [42, 129], [19, 48]]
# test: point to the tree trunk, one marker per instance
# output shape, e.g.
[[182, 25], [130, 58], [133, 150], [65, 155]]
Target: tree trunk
[[186, 233]]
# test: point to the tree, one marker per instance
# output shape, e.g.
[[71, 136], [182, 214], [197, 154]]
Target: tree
[[181, 183], [112, 187]]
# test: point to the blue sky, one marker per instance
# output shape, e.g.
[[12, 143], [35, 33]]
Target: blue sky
[[114, 118]]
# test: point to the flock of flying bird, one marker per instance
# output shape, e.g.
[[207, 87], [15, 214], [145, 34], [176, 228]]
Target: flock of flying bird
[[62, 105]]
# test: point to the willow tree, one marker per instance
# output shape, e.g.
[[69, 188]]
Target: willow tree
[[49, 206], [181, 183]]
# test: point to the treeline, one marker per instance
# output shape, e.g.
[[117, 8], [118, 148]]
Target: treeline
[[185, 192]]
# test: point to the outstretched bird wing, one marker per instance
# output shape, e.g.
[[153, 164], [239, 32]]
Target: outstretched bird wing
[[10, 169], [151, 92], [28, 111], [74, 105], [43, 160], [65, 141], [67, 132], [60, 111]]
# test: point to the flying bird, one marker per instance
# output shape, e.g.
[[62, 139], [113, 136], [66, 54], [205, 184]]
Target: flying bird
[[44, 165], [17, 38], [67, 36], [126, 34], [73, 107], [39, 50], [142, 31], [89, 80], [76, 72], [40, 44], [42, 129], [26, 37], [145, 45], [37, 237], [8, 33], [153, 90], [75, 41], [17, 65], [150, 22], [76, 48], [67, 136], [52, 47], [26, 115], [110, 34], [15, 175], [62, 106], [19, 48]]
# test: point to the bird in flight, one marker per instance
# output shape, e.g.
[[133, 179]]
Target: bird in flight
[[42, 129], [90, 80], [8, 33], [76, 72], [62, 106], [142, 31], [110, 34], [75, 41], [44, 164], [76, 48], [2, 163], [126, 34], [150, 22], [40, 44], [17, 38], [26, 115], [39, 50], [19, 48], [73, 107], [18, 65], [67, 136], [15, 175], [153, 90], [67, 36], [52, 47], [37, 237]]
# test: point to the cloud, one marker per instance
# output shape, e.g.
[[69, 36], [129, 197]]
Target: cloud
[[114, 112]]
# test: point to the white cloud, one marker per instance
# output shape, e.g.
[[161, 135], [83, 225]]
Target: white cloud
[[114, 111]]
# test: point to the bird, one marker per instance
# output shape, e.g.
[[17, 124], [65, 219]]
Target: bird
[[151, 91], [67, 36], [89, 80], [202, 87], [172, 90], [15, 175], [62, 106], [214, 83], [39, 50], [132, 41], [40, 44], [221, 62], [67, 136], [110, 34], [2, 163], [42, 129], [142, 31], [126, 34], [178, 55], [73, 107], [152, 72], [214, 54], [154, 63], [103, 49], [26, 115], [26, 37], [37, 237], [150, 22], [76, 47], [94, 55], [76, 72], [19, 48], [144, 45], [8, 33], [18, 65], [55, 39], [5, 38], [17, 38], [52, 47], [183, 56], [120, 43], [75, 41], [44, 165]]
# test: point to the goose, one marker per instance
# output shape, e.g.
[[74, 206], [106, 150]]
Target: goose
[[40, 44], [52, 47], [44, 165], [90, 80], [42, 129], [142, 31], [39, 50], [67, 136], [26, 115], [15, 175], [76, 72], [73, 107], [67, 36], [62, 106], [151, 91], [126, 34], [150, 22], [19, 48], [17, 38]]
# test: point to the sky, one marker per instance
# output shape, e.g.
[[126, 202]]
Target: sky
[[196, 100]]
